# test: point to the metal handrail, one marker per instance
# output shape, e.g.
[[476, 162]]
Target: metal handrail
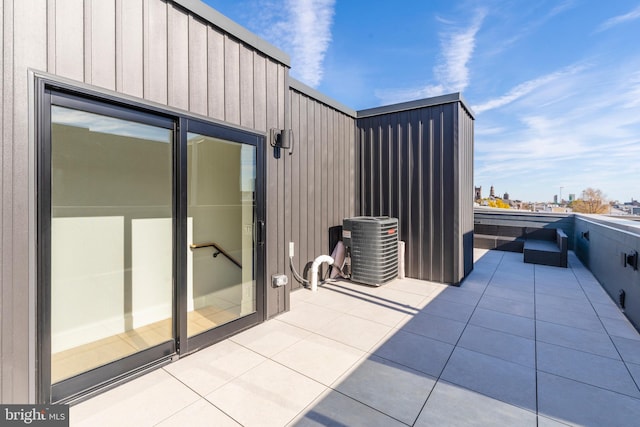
[[218, 249]]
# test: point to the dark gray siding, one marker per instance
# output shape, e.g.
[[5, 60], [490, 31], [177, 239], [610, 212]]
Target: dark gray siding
[[416, 165], [319, 178], [153, 50]]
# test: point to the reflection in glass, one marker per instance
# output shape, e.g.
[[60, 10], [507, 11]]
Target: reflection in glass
[[221, 206], [111, 239]]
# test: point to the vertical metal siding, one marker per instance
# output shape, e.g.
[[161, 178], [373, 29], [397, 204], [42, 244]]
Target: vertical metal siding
[[427, 185], [152, 49], [321, 165]]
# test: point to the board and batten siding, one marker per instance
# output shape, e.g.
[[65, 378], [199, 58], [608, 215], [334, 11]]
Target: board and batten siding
[[154, 50], [319, 186], [416, 164]]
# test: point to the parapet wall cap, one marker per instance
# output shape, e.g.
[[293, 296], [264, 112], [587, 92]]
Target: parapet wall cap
[[217, 19], [420, 103]]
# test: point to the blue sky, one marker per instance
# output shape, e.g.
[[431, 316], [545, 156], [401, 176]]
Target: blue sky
[[555, 85]]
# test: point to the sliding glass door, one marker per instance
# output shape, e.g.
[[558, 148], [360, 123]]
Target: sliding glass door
[[150, 239]]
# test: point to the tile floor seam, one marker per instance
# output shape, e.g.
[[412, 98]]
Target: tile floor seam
[[207, 402], [493, 355], [589, 384], [535, 345]]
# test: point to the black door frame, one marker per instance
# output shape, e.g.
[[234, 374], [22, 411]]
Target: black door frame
[[50, 92]]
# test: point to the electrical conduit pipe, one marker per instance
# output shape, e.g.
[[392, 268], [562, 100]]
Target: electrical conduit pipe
[[314, 270]]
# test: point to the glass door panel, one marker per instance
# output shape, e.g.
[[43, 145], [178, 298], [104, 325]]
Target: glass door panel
[[111, 239], [221, 218]]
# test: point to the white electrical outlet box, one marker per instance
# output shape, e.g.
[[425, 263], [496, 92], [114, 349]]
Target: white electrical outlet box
[[291, 248], [279, 280]]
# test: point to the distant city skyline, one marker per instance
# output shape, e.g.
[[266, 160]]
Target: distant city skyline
[[554, 84]]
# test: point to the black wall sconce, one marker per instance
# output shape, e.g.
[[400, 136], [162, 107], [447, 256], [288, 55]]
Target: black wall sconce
[[585, 235], [281, 139], [630, 259]]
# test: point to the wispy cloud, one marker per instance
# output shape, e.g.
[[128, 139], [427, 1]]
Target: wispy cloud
[[620, 19], [301, 28], [526, 88], [451, 72], [587, 135]]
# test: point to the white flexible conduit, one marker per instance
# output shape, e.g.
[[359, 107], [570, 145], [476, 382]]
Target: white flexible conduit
[[314, 270]]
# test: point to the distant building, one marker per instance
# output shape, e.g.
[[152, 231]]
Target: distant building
[[478, 192], [506, 196], [555, 199], [572, 197], [492, 192]]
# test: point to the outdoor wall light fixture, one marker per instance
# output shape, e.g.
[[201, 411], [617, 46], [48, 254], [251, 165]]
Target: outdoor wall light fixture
[[279, 139], [630, 259]]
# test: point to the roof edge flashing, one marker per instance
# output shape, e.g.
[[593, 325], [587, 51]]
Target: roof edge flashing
[[419, 103], [319, 96], [234, 29]]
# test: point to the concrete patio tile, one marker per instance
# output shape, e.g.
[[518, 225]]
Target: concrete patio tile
[[386, 313], [354, 331], [512, 282], [332, 298], [509, 323], [200, 414], [548, 422], [504, 346], [609, 310], [578, 339], [298, 296], [597, 295], [309, 316], [476, 284], [144, 401], [270, 337], [337, 410], [267, 395], [319, 358], [460, 295], [414, 286], [436, 327], [415, 351], [587, 368], [575, 319], [452, 405], [407, 300], [509, 293], [506, 381], [575, 293], [581, 404], [449, 309], [634, 369], [620, 328], [509, 306], [393, 389], [629, 349], [554, 302], [214, 366]]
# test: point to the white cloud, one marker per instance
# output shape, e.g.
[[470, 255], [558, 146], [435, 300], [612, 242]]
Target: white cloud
[[585, 132], [301, 28], [620, 19], [457, 48], [526, 88], [452, 69], [311, 35]]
